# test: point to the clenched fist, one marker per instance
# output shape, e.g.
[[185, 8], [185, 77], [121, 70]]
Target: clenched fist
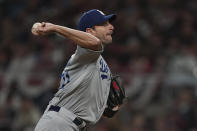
[[42, 28]]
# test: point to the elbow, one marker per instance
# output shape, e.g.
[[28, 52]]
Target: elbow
[[96, 45], [97, 42], [92, 43]]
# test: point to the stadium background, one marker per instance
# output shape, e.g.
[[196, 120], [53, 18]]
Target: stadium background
[[154, 50]]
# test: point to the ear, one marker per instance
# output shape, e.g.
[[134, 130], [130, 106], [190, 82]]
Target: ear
[[90, 30]]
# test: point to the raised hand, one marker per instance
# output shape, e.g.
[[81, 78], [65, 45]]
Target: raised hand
[[42, 28]]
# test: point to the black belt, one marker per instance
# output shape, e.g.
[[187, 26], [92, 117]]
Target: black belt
[[78, 121]]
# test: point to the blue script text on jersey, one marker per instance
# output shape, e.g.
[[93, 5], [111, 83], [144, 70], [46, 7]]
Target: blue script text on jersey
[[104, 69], [65, 77]]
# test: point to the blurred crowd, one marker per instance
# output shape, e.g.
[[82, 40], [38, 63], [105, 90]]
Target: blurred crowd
[[154, 51]]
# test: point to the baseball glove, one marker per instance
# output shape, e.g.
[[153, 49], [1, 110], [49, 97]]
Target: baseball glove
[[115, 99]]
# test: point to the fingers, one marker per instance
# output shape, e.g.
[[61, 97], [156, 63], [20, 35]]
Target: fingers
[[39, 29], [34, 32], [42, 28], [43, 24]]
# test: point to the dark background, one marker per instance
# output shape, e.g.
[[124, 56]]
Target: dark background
[[154, 50]]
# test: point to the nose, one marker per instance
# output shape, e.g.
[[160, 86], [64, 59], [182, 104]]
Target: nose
[[111, 27]]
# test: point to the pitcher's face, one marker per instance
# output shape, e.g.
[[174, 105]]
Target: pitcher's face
[[104, 32]]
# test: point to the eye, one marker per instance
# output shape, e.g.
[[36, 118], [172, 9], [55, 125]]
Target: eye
[[103, 24], [106, 23]]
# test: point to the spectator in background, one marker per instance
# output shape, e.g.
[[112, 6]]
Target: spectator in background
[[155, 45], [26, 117]]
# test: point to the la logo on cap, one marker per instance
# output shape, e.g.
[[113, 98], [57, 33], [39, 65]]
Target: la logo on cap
[[101, 12]]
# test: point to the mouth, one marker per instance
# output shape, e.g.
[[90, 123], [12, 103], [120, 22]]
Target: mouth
[[110, 33]]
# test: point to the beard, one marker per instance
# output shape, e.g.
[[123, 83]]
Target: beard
[[107, 40]]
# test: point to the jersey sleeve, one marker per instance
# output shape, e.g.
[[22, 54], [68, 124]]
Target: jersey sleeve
[[84, 55]]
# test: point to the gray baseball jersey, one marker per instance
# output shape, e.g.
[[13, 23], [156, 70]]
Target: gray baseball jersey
[[84, 85]]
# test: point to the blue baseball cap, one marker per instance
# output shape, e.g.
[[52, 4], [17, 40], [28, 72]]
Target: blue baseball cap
[[93, 17]]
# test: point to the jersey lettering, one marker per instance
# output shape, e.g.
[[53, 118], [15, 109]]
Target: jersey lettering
[[103, 69], [65, 79]]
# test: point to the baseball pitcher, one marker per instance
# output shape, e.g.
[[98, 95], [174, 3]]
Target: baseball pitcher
[[87, 88]]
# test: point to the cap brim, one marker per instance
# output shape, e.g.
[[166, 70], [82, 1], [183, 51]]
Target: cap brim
[[111, 17]]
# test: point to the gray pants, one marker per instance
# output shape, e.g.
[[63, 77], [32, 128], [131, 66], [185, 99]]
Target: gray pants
[[57, 121]]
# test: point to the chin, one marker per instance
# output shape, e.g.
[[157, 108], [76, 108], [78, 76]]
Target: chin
[[107, 42]]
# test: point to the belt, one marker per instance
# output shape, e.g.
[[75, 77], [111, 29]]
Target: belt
[[78, 121]]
